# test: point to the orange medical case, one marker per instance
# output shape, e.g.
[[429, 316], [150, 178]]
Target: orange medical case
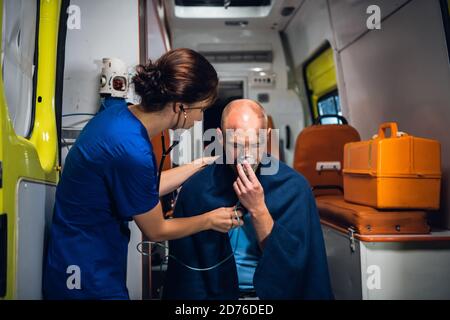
[[396, 172]]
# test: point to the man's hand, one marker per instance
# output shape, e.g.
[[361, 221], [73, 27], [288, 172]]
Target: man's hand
[[251, 195], [249, 190]]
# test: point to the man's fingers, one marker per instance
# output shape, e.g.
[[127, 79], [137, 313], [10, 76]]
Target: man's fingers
[[251, 174], [243, 176], [240, 185], [236, 189]]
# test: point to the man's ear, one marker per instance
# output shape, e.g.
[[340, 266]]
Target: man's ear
[[268, 139], [267, 144], [219, 135]]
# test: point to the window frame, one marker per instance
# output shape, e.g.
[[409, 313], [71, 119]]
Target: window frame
[[35, 63], [445, 9], [314, 109]]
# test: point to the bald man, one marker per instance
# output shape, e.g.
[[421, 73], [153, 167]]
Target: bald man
[[278, 253]]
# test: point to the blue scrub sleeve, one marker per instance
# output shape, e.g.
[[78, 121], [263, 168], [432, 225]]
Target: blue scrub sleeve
[[132, 179]]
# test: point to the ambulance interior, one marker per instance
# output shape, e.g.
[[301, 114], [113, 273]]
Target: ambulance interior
[[371, 67]]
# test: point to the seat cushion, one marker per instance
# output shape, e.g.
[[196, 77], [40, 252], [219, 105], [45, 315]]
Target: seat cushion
[[367, 220]]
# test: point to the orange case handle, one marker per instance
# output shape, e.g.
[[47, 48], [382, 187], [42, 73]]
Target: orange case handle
[[388, 125]]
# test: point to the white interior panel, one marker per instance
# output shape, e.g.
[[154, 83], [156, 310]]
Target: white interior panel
[[405, 271], [35, 208], [109, 28], [349, 17]]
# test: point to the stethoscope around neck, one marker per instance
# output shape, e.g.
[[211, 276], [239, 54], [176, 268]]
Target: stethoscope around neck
[[167, 151]]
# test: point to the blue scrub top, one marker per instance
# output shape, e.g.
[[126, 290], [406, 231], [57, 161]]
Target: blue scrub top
[[108, 102], [109, 176], [247, 253]]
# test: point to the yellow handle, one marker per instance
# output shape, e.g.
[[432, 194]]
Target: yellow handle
[[388, 125]]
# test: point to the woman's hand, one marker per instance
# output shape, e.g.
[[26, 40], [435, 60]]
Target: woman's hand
[[173, 178], [204, 161], [156, 228], [224, 219], [249, 190]]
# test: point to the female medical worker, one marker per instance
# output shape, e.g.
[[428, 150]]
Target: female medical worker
[[110, 178]]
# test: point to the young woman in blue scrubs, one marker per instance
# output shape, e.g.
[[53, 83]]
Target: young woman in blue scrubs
[[110, 178]]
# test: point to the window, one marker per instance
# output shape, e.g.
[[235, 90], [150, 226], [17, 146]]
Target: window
[[18, 61], [329, 105], [321, 84]]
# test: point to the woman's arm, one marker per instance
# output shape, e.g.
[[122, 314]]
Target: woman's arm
[[172, 179], [156, 228]]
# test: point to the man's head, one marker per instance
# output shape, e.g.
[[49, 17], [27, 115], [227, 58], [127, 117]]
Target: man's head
[[244, 131], [244, 114]]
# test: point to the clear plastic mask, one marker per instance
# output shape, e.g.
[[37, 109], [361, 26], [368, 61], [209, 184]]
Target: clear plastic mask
[[250, 159]]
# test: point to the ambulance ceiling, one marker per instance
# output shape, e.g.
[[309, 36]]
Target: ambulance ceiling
[[223, 3], [251, 14]]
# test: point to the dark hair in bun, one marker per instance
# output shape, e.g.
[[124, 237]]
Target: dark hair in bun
[[180, 75]]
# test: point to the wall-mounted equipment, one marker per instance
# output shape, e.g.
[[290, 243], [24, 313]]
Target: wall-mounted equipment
[[262, 80]]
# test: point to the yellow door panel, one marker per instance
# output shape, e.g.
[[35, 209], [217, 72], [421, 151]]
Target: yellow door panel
[[35, 159]]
